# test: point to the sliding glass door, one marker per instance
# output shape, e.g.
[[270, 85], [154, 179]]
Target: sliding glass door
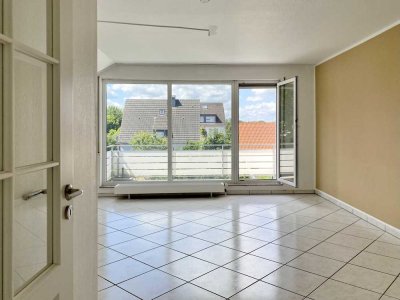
[[287, 132], [201, 131]]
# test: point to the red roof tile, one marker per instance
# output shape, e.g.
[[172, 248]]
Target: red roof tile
[[257, 135]]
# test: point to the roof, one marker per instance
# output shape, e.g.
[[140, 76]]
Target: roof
[[213, 108], [143, 115], [257, 135]]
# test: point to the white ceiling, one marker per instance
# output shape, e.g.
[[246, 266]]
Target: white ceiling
[[249, 31]]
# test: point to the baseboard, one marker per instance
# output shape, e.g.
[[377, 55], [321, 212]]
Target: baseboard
[[361, 214]]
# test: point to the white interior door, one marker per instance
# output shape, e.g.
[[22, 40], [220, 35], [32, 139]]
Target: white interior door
[[287, 132], [37, 154]]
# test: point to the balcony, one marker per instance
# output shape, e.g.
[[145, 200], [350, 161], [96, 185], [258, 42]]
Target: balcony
[[212, 162]]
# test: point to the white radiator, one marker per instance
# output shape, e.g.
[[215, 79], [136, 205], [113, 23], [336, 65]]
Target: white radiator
[[170, 188]]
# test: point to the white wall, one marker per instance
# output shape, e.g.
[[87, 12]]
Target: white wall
[[306, 115]]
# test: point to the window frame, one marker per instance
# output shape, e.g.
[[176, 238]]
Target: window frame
[[234, 180], [253, 85]]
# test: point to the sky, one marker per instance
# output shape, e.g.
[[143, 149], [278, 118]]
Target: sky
[[256, 104]]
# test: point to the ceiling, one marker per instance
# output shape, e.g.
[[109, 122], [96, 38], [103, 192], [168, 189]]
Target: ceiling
[[249, 31]]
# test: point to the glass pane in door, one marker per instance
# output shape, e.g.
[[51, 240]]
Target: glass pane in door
[[201, 126], [30, 26], [32, 226], [33, 111], [287, 131], [136, 132], [257, 132]]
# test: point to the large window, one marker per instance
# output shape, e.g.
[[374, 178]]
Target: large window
[[199, 131], [201, 149], [136, 132]]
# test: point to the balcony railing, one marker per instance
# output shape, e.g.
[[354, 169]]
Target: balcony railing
[[211, 162]]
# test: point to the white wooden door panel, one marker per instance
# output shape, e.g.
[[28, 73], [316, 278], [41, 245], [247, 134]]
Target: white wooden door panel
[[37, 156], [32, 23], [33, 111]]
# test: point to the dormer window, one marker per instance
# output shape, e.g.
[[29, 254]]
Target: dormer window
[[211, 119], [208, 119]]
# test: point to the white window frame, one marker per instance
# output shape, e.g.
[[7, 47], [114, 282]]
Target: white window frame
[[287, 182], [234, 119]]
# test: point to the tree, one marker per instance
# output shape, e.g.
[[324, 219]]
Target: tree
[[212, 139], [114, 117], [148, 141], [114, 120], [112, 136]]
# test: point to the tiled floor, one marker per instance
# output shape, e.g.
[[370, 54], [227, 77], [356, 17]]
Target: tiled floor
[[242, 248]]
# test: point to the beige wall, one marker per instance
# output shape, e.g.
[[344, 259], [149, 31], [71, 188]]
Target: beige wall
[[358, 126]]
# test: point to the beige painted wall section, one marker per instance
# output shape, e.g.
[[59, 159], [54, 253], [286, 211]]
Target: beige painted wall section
[[358, 126]]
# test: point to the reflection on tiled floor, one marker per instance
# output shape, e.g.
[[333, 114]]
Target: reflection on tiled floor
[[242, 247]]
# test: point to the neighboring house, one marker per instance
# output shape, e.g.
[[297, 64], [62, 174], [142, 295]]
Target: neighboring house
[[257, 135], [212, 116], [188, 116]]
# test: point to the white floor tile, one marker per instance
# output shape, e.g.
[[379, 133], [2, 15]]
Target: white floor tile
[[151, 285], [263, 290], [334, 290], [224, 282], [123, 270], [295, 280], [189, 268], [364, 278]]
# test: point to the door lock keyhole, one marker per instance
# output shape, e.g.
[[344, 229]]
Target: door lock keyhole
[[68, 212]]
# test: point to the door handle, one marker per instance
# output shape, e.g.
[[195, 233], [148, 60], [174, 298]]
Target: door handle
[[70, 192], [34, 194]]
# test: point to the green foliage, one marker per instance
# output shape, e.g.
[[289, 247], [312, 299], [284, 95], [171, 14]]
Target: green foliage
[[114, 117], [112, 136], [114, 120], [212, 139], [228, 131], [148, 141], [194, 145], [203, 133]]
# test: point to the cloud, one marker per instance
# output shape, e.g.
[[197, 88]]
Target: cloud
[[221, 93], [137, 91], [261, 94], [265, 111], [118, 93], [114, 103], [255, 104]]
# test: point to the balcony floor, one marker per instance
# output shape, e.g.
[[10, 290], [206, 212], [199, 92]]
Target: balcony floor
[[242, 247]]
